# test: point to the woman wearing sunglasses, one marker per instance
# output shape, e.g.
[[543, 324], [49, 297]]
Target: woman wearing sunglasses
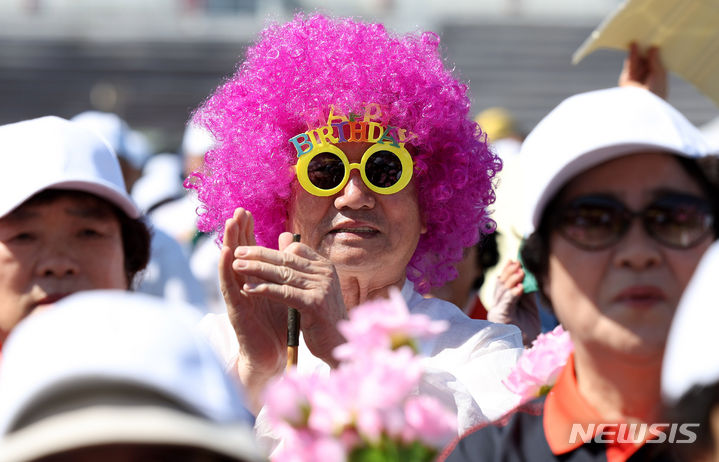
[[621, 214], [360, 142]]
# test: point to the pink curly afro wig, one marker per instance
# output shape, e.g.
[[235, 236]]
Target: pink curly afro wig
[[304, 66]]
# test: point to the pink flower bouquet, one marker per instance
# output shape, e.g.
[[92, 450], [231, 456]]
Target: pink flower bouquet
[[367, 409], [538, 367]]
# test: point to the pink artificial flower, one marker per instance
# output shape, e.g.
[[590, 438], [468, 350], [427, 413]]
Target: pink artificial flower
[[538, 367], [328, 448], [394, 422], [370, 424], [286, 399], [386, 378], [306, 446], [359, 392], [332, 404], [350, 439], [428, 421], [384, 325], [371, 396]]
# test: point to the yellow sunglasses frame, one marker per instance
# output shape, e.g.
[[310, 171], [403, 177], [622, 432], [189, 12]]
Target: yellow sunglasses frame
[[402, 154]]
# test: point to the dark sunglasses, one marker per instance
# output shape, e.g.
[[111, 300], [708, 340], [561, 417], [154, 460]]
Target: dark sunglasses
[[597, 222]]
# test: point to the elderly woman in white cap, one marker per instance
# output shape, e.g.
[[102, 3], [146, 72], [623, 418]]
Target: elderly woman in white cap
[[620, 213], [690, 379], [168, 272], [66, 222]]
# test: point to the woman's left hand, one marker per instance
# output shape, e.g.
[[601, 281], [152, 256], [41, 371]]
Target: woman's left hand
[[300, 278], [512, 305]]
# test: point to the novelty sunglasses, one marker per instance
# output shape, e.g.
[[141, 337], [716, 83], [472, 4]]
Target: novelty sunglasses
[[385, 169], [597, 222]]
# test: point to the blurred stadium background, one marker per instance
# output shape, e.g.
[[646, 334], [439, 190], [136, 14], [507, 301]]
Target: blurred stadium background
[[153, 61]]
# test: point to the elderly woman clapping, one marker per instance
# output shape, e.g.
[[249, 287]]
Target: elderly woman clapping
[[360, 142]]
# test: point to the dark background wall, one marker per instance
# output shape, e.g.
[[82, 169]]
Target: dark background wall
[[155, 85], [527, 68]]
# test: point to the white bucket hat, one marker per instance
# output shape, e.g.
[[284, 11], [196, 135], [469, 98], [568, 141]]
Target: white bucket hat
[[114, 367], [688, 360], [51, 152], [588, 129]]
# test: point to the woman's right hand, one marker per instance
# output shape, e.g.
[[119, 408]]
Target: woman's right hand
[[260, 326]]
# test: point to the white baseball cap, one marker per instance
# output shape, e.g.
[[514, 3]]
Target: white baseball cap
[[127, 144], [196, 141], [693, 333], [115, 367], [51, 152], [161, 181], [590, 128]]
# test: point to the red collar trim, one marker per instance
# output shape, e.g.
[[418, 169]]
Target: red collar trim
[[565, 407]]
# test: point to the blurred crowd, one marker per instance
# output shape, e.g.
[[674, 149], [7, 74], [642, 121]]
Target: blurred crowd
[[144, 295]]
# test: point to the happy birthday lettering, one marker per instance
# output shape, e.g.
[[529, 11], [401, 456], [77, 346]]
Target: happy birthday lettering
[[347, 129]]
